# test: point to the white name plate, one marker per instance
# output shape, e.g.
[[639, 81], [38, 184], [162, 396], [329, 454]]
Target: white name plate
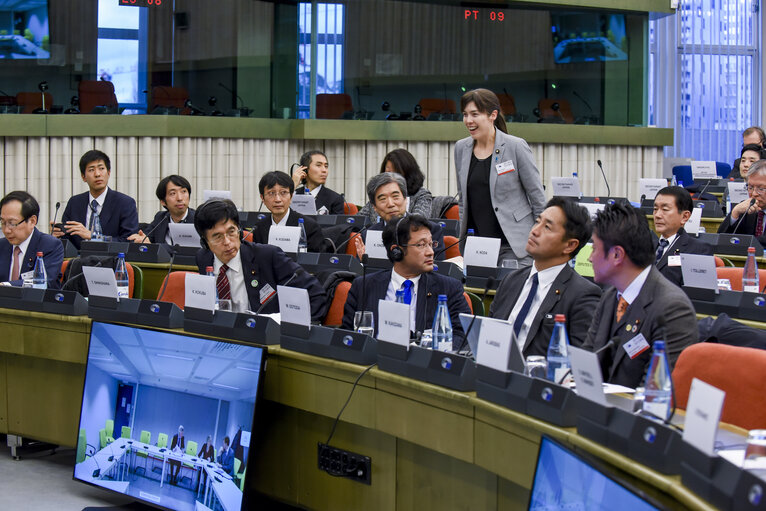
[[394, 322], [285, 237], [101, 281], [294, 305], [481, 251], [184, 235], [703, 170], [199, 291], [566, 186], [373, 245], [304, 204], [699, 271]]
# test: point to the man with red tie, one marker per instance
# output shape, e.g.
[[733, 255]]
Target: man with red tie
[[747, 217]]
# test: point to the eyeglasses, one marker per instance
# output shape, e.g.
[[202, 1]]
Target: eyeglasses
[[219, 237], [423, 244], [760, 190], [11, 225], [283, 194]]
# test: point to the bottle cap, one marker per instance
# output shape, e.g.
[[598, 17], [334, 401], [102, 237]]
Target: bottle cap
[[121, 254], [300, 220], [751, 250], [39, 254], [208, 269], [559, 318], [659, 345], [443, 297]]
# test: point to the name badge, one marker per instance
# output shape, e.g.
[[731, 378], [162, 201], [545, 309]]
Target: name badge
[[505, 167], [100, 281], [266, 292], [27, 275], [374, 245], [394, 322], [285, 237], [674, 260], [294, 305], [199, 291], [494, 347], [323, 211], [636, 346]]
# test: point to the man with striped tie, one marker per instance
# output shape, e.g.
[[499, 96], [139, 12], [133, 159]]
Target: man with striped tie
[[749, 216]]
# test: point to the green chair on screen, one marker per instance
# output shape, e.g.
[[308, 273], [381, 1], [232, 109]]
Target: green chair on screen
[[146, 439], [162, 442], [242, 480], [82, 444], [125, 432], [235, 473], [102, 438], [109, 431], [191, 450]]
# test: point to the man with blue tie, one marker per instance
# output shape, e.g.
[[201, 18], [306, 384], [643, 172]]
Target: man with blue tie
[[18, 250], [116, 211]]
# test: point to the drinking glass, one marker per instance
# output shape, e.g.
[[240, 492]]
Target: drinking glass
[[755, 453], [363, 322], [537, 367]]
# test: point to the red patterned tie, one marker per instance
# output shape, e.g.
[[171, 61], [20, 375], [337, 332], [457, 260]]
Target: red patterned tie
[[222, 284], [759, 225], [15, 270]]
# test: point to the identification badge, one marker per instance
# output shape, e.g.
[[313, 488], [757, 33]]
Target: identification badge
[[505, 167], [674, 260], [27, 276], [636, 346], [266, 292], [322, 211]]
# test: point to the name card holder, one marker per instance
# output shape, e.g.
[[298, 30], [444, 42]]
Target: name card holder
[[732, 244], [476, 276], [248, 219], [329, 220], [645, 440], [593, 420], [147, 253], [437, 367], [70, 250], [333, 343], [70, 303], [21, 298], [710, 208], [708, 301], [111, 310], [160, 314], [736, 488], [232, 325], [604, 200], [103, 248], [314, 262], [697, 472]]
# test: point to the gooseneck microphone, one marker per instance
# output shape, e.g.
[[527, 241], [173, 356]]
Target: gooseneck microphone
[[350, 237], [55, 214], [173, 252], [489, 284], [743, 215], [232, 92], [298, 272], [608, 190], [166, 217]]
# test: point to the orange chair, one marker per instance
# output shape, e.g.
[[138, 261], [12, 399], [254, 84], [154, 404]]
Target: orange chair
[[176, 288], [334, 315], [131, 275], [740, 372], [173, 97], [351, 246], [454, 247], [333, 106], [468, 299], [247, 236], [719, 262], [735, 277], [350, 209], [507, 104], [33, 100], [453, 213], [436, 105], [95, 93], [64, 266], [565, 110]]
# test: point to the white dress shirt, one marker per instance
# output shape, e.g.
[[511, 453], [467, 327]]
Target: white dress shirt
[[101, 198], [634, 288], [239, 299], [545, 279], [168, 238], [315, 191], [23, 246], [397, 281], [282, 222]]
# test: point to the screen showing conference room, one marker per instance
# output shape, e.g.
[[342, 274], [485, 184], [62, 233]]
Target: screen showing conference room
[[141, 387]]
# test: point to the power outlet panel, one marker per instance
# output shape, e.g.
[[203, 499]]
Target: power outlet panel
[[342, 463]]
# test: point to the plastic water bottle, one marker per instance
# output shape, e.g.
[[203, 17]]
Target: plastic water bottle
[[400, 296], [39, 276], [97, 234], [750, 283], [657, 388], [210, 272], [303, 245], [558, 350], [121, 276], [442, 327]]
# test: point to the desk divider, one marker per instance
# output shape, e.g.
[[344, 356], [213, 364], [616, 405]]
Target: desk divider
[[334, 343]]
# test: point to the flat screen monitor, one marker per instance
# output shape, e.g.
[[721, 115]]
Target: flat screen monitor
[[167, 418], [588, 37], [565, 480], [24, 31]]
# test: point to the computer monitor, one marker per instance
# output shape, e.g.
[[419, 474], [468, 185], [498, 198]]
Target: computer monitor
[[565, 480], [24, 30], [157, 410]]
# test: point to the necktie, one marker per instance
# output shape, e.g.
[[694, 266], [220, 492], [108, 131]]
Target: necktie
[[759, 225], [622, 306], [222, 284], [407, 288], [525, 308], [15, 269], [660, 249], [93, 213]]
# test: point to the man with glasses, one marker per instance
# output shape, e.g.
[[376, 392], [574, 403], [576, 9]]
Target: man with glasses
[[409, 246], [18, 249], [248, 273], [276, 190], [747, 217]]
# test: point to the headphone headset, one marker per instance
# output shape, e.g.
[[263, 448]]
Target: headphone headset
[[396, 253], [202, 208]]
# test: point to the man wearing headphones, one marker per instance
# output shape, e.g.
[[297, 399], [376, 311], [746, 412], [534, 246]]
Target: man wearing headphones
[[409, 246], [248, 273], [310, 177]]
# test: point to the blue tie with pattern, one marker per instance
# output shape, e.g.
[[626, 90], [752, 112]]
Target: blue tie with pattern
[[660, 250], [407, 288], [93, 213]]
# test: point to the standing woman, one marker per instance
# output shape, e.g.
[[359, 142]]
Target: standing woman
[[501, 193]]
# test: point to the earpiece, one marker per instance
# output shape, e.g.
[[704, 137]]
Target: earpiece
[[396, 253]]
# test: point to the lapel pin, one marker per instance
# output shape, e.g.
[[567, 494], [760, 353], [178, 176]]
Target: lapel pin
[[254, 283], [634, 329], [558, 292], [627, 328], [497, 151]]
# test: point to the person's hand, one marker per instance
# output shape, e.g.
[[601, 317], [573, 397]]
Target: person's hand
[[359, 244], [139, 237], [743, 208], [55, 231], [77, 229], [299, 175]]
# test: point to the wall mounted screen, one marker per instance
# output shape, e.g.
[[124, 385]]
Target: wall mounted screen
[[24, 31]]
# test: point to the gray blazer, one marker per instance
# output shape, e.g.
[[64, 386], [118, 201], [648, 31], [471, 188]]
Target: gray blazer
[[517, 196]]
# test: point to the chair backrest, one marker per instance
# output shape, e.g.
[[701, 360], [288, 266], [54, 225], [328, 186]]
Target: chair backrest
[[102, 438], [110, 428], [176, 288], [735, 276], [334, 315], [565, 109], [468, 300], [237, 464], [191, 448], [146, 437], [719, 262], [93, 93], [454, 247], [436, 105], [350, 208], [333, 106], [507, 104], [174, 97], [740, 372], [247, 235], [453, 213], [82, 442], [722, 169], [477, 306], [64, 265], [125, 432], [32, 100], [351, 246], [242, 480], [162, 440], [131, 280], [683, 173]]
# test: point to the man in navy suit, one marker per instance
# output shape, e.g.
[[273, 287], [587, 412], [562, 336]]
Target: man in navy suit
[[18, 250], [749, 216], [248, 273], [311, 177], [409, 247], [173, 192], [116, 211], [226, 457]]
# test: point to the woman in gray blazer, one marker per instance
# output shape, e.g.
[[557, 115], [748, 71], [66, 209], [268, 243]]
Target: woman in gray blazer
[[500, 189]]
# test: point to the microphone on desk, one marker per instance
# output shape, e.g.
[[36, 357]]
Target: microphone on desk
[[608, 190], [55, 214], [298, 272], [743, 215], [166, 217], [350, 237], [71, 279], [173, 252], [487, 287]]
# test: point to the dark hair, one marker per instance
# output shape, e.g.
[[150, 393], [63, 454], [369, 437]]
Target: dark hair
[[306, 157], [752, 147], [406, 165], [226, 440], [213, 211], [486, 101], [397, 231], [162, 187], [625, 226], [272, 179], [684, 200], [29, 206], [577, 225], [91, 156], [383, 179], [755, 129]]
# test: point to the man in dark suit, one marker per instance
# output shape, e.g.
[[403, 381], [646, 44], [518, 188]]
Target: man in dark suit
[[18, 250], [276, 190], [226, 457], [409, 247], [747, 217], [248, 273], [531, 297], [641, 305], [672, 208], [177, 446], [173, 192], [116, 211], [310, 177]]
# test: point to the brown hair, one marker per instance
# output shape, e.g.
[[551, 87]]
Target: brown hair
[[486, 101]]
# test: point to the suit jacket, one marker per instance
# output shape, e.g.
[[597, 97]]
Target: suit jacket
[[569, 294], [517, 196], [53, 255], [119, 218], [437, 235], [429, 287], [333, 201], [206, 454], [181, 444], [659, 298], [746, 226], [684, 244], [227, 461], [160, 225], [266, 264], [420, 204], [313, 231]]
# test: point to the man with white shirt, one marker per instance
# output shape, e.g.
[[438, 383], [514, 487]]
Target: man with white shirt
[[641, 306], [116, 211], [173, 192], [248, 273], [531, 297], [311, 175], [409, 246]]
